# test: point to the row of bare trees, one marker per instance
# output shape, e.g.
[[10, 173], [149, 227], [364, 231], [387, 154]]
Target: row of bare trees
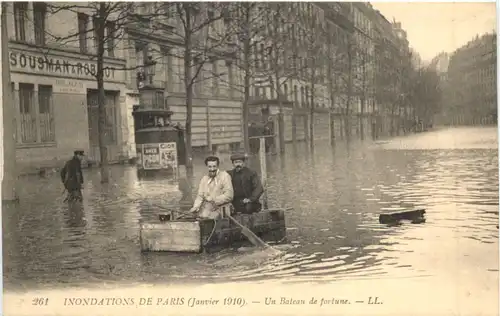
[[276, 44]]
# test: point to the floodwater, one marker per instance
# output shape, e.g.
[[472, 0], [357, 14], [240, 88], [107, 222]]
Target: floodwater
[[337, 194]]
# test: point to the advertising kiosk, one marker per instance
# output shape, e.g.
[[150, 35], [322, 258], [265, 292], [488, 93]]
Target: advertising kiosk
[[159, 143]]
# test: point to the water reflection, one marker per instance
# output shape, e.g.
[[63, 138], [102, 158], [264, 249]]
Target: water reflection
[[74, 257], [337, 195]]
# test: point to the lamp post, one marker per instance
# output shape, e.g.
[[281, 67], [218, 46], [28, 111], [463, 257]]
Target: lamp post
[[149, 94], [150, 69]]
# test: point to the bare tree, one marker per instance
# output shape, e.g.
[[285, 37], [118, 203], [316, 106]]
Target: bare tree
[[278, 62], [109, 22], [335, 58], [314, 52], [264, 52], [363, 83], [264, 32], [351, 62], [199, 46], [426, 94], [245, 26], [387, 79]]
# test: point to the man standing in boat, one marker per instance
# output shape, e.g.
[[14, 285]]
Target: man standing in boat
[[215, 190], [246, 185], [72, 177]]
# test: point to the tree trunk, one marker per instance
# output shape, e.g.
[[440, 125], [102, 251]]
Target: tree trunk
[[332, 129], [281, 126], [332, 116], [362, 117], [9, 173], [281, 115], [101, 98], [246, 97], [363, 100], [393, 110], [188, 83], [311, 122], [347, 124]]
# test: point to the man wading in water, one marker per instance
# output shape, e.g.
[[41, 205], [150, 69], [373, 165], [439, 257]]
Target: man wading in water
[[246, 185], [215, 190], [72, 177]]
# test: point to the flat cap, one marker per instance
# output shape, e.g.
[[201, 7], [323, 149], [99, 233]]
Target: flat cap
[[238, 156], [78, 152]]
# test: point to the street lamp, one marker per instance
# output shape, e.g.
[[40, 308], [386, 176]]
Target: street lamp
[[150, 68]]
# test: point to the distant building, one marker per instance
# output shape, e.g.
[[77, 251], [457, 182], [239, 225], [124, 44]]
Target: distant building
[[472, 89], [416, 59], [440, 64]]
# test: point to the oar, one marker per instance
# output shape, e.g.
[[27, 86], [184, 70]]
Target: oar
[[254, 239]]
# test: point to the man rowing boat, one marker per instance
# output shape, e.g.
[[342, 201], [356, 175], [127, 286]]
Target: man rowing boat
[[246, 185], [215, 190]]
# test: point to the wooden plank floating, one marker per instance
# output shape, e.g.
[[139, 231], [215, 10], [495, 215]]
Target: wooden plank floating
[[172, 234], [415, 216]]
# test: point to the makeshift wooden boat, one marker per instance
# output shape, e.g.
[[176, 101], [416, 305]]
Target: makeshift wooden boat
[[172, 233], [177, 234]]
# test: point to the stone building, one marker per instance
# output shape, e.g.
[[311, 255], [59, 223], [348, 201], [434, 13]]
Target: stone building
[[55, 95], [472, 88], [393, 67]]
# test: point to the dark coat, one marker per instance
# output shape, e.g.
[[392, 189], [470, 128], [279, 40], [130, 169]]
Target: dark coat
[[252, 187], [72, 175]]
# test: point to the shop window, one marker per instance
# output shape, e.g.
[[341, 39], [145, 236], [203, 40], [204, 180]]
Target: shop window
[[27, 113], [36, 119], [46, 115]]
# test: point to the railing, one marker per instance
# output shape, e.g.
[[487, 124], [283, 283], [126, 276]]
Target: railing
[[28, 128], [46, 128]]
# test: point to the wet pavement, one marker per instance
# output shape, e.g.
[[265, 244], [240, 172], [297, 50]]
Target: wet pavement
[[337, 194]]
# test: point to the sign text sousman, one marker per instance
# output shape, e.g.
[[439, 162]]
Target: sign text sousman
[[56, 65]]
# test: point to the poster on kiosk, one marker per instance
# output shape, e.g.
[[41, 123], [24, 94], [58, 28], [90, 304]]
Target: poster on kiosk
[[159, 156]]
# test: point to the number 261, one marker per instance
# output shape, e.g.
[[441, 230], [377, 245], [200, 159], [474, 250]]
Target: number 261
[[40, 301]]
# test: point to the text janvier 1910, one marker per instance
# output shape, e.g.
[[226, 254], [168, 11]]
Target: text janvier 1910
[[200, 302]]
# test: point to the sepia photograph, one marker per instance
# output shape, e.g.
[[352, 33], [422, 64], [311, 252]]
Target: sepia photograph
[[249, 158]]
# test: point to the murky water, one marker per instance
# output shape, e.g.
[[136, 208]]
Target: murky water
[[337, 195]]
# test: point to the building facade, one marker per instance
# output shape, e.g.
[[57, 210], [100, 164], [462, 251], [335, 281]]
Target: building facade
[[54, 91], [343, 56], [471, 89], [393, 61]]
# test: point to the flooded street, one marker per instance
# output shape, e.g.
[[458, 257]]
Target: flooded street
[[333, 232]]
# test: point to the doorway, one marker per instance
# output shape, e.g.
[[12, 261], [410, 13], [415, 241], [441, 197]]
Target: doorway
[[111, 126]]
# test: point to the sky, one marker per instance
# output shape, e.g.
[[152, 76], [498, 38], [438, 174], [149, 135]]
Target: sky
[[434, 27]]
